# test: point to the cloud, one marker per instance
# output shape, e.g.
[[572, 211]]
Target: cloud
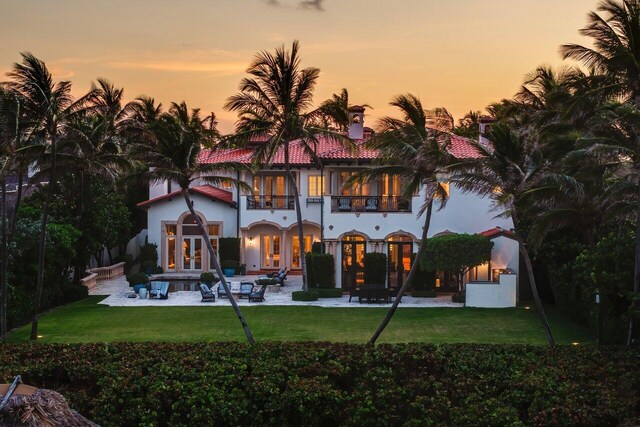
[[315, 5], [311, 5]]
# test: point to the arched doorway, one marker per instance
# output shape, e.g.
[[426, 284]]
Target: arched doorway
[[353, 250], [400, 248], [184, 245]]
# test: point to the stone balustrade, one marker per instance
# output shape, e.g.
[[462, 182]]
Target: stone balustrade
[[107, 273], [90, 281]]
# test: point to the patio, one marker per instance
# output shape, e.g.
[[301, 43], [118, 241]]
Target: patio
[[116, 289]]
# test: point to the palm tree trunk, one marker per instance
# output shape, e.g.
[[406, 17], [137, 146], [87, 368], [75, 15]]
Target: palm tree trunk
[[636, 277], [4, 253], [43, 238], [412, 272], [296, 199], [532, 281], [216, 265]]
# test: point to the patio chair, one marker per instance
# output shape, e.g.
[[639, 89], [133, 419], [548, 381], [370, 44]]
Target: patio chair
[[354, 292], [164, 291], [281, 278], [246, 289], [259, 295], [221, 292], [207, 294], [155, 289], [272, 275]]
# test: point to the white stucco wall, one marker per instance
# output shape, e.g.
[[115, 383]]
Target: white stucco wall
[[493, 295]]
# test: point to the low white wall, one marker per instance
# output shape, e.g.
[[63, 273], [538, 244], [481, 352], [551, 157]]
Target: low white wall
[[493, 295]]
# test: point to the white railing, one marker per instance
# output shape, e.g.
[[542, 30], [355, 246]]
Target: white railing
[[106, 273], [90, 281]]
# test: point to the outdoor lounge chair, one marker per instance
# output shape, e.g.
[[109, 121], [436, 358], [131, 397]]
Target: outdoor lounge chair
[[273, 275], [221, 292], [207, 294], [246, 289], [159, 290], [281, 278], [258, 296]]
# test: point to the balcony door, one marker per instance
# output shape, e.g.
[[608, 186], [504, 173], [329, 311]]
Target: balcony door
[[270, 192], [270, 251]]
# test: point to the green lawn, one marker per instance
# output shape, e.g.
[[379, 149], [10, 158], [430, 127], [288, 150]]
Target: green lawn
[[87, 321]]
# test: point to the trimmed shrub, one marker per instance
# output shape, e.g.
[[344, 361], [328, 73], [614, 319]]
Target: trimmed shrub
[[229, 263], [148, 253], [460, 297], [304, 296], [423, 293], [423, 280], [317, 248], [137, 278], [295, 383], [375, 268], [320, 270], [328, 293], [229, 249], [207, 277], [268, 282]]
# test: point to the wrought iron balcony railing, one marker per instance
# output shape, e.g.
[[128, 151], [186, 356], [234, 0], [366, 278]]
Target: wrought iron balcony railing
[[370, 204], [270, 202]]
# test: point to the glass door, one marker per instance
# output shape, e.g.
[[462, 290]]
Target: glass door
[[192, 253], [352, 264], [269, 251], [295, 250], [399, 263]]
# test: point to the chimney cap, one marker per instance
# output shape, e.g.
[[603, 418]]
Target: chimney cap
[[486, 119], [356, 109]]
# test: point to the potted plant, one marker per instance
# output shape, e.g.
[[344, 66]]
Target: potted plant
[[149, 266], [229, 267], [138, 281], [207, 278]]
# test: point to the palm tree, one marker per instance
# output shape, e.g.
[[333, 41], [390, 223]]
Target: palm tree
[[334, 112], [512, 172], [171, 149], [275, 102], [418, 156], [616, 58], [47, 106]]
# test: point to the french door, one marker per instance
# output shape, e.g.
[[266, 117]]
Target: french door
[[352, 264], [270, 251], [399, 263], [192, 253]]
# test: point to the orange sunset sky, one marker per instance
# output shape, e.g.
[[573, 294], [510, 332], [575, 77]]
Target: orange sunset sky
[[460, 54]]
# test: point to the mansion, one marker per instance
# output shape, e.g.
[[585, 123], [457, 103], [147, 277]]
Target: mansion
[[372, 217]]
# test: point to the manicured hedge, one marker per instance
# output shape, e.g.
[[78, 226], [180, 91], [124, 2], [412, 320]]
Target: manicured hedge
[[375, 268], [304, 296], [293, 384], [320, 270], [328, 293], [423, 294]]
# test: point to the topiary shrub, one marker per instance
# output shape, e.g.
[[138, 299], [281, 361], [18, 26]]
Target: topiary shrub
[[137, 279], [267, 281], [320, 270], [460, 297], [229, 249], [375, 268], [148, 253], [229, 263], [207, 277], [328, 293], [304, 296], [317, 248]]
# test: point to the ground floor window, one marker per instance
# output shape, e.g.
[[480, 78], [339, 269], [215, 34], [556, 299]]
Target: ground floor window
[[270, 251]]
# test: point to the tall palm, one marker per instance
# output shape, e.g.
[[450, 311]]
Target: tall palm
[[334, 112], [418, 156], [615, 55], [48, 106], [513, 172], [171, 149], [275, 102]]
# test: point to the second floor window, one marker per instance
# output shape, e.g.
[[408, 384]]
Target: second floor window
[[316, 186], [270, 185]]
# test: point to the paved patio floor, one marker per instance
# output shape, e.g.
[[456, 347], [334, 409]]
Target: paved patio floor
[[116, 289]]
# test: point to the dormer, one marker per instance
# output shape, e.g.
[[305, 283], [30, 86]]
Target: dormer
[[356, 122]]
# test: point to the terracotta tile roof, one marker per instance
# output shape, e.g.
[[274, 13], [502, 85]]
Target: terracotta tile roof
[[205, 190], [329, 149], [497, 231]]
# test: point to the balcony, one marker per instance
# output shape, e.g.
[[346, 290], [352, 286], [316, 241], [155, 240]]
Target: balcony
[[370, 204], [270, 202]]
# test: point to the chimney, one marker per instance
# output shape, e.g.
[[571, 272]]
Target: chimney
[[356, 122], [485, 127]]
